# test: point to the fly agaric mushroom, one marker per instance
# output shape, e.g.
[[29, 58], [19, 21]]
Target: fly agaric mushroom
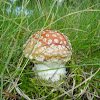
[[50, 49]]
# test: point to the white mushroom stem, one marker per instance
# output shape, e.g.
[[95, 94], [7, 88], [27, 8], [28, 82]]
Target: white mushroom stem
[[47, 72]]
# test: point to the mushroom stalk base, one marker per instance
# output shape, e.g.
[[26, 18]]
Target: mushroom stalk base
[[47, 72]]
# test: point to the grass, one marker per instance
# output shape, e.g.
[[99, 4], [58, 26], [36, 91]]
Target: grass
[[79, 20]]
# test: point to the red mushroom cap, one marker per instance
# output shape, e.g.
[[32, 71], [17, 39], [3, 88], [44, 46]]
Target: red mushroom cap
[[48, 45]]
